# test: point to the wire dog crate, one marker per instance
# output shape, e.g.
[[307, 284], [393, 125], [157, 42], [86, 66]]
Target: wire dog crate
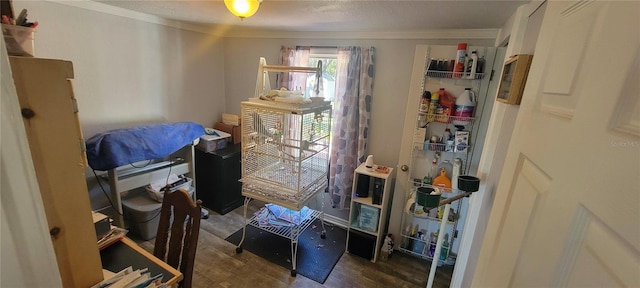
[[285, 150]]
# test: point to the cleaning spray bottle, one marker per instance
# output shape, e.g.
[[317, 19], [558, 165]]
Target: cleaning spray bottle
[[472, 65], [460, 56]]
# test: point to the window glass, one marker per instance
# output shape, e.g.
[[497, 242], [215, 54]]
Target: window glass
[[328, 57]]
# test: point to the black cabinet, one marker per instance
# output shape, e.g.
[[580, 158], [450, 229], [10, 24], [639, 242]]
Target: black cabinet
[[361, 244], [217, 175]]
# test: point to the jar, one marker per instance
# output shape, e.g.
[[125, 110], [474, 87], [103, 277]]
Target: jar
[[433, 143]]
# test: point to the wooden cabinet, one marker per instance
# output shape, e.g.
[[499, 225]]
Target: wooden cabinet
[[369, 212], [514, 76], [218, 175], [50, 115]]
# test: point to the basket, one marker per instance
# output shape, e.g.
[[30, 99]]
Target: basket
[[19, 40], [424, 199]]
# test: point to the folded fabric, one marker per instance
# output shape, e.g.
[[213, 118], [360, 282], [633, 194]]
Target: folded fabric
[[291, 216]]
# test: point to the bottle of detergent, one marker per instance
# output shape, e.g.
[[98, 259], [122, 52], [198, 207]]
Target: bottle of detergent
[[465, 103], [446, 106]]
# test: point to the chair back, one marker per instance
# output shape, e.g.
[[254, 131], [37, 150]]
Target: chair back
[[177, 236]]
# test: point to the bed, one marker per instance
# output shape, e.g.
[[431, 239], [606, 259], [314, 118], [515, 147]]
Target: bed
[[117, 152]]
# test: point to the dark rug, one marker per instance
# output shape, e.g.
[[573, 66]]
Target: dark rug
[[316, 256]]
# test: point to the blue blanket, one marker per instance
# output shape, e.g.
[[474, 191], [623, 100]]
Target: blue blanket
[[120, 147]]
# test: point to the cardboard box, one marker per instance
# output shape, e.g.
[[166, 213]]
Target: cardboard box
[[101, 223], [461, 141], [235, 131], [418, 138]]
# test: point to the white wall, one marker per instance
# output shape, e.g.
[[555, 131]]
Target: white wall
[[129, 71]]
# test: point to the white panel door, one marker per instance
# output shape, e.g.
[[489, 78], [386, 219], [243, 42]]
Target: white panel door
[[567, 209]]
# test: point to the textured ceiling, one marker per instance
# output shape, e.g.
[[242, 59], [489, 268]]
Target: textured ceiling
[[339, 16]]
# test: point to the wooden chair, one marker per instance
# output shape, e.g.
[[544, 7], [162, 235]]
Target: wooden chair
[[179, 220]]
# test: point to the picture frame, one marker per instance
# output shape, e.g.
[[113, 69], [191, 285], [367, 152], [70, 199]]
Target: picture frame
[[514, 78]]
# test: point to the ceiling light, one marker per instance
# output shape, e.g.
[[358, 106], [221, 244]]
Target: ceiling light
[[242, 8]]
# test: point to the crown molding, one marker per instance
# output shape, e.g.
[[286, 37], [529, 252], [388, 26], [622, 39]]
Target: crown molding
[[117, 11], [420, 35], [230, 32]]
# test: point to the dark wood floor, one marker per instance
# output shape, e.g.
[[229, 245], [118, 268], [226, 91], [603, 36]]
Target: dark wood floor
[[217, 264]]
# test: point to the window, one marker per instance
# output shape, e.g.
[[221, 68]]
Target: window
[[328, 56]]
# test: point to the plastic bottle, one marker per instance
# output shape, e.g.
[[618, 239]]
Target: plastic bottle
[[446, 137], [448, 147], [480, 66], [406, 241], [384, 252], [433, 170], [424, 102], [446, 106], [444, 250], [465, 104], [418, 246], [445, 247], [389, 241], [413, 234], [433, 66], [472, 65], [433, 240], [460, 56], [431, 113], [457, 166]]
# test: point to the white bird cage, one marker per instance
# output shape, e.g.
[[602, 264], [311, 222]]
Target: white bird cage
[[285, 151]]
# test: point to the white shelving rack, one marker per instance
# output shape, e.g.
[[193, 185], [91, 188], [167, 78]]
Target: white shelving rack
[[285, 155]]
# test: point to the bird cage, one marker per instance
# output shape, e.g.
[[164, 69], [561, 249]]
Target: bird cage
[[285, 150]]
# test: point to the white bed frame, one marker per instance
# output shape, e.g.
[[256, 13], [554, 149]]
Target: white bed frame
[[125, 178]]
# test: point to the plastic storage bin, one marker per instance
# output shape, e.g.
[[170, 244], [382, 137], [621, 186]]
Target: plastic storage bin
[[210, 143], [143, 214], [19, 40]]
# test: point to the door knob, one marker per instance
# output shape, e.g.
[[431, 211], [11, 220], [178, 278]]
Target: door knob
[[404, 168]]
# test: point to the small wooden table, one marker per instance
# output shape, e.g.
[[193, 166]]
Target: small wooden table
[[126, 252]]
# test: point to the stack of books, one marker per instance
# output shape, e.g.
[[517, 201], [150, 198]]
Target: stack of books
[[129, 278]]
